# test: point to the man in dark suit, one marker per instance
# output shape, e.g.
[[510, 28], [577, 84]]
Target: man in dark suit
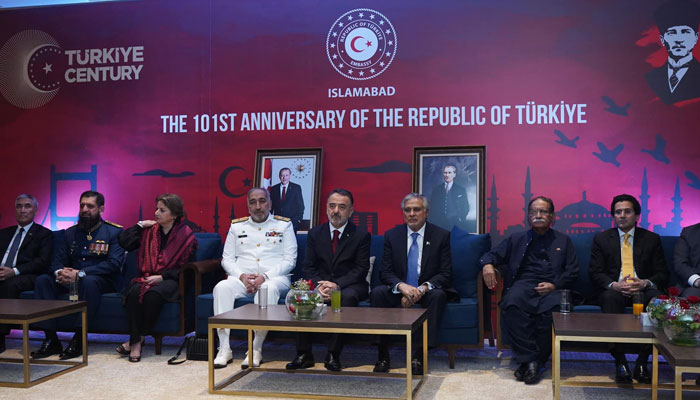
[[26, 253], [337, 256], [679, 78], [686, 261], [287, 200], [448, 201], [626, 260], [535, 265], [416, 269], [89, 255]]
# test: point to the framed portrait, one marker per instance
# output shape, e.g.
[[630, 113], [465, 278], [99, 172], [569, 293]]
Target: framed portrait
[[453, 180], [293, 178]]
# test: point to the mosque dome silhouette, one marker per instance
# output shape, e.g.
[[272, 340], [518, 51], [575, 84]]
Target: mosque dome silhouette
[[583, 217]]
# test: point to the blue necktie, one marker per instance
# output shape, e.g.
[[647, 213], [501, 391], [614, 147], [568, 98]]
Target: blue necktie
[[13, 248], [412, 273]]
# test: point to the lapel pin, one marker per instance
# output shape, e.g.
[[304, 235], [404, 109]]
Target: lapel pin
[[427, 243]]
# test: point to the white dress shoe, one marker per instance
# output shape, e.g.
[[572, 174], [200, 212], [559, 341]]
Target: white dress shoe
[[257, 359], [223, 357]]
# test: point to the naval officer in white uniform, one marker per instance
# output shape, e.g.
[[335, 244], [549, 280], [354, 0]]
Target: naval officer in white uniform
[[260, 250]]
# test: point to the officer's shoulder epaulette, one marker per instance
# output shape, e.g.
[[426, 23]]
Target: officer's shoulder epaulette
[[237, 220], [113, 224], [281, 218]]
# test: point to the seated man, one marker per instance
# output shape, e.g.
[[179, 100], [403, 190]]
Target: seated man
[[259, 250], [337, 256], [26, 253], [416, 269], [686, 263], [534, 265], [626, 260], [90, 252]]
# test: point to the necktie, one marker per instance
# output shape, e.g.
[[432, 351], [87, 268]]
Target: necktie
[[412, 273], [447, 188], [284, 192], [627, 257], [673, 80], [336, 238], [13, 248]]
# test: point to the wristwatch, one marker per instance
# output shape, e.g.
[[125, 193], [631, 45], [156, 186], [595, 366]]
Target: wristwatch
[[81, 274]]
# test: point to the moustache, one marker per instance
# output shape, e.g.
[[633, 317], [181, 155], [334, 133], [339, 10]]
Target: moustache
[[538, 220]]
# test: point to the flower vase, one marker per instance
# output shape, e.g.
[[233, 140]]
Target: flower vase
[[682, 326], [304, 304]]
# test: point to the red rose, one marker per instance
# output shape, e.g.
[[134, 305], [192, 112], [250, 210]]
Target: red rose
[[312, 286], [694, 299], [696, 318], [684, 304], [662, 297], [673, 291], [292, 309]]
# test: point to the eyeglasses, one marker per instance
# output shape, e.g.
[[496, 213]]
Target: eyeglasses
[[536, 212], [624, 211]]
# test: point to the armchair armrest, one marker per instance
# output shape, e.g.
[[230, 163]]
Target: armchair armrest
[[198, 268]]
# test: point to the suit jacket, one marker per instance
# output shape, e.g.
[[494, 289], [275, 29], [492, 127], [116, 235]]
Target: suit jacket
[[34, 255], [606, 258], [688, 87], [348, 267], [436, 259], [509, 254], [686, 254], [448, 209], [293, 205]]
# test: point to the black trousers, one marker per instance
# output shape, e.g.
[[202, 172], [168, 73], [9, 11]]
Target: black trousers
[[11, 288], [614, 302], [349, 297], [433, 300], [142, 316], [530, 334]]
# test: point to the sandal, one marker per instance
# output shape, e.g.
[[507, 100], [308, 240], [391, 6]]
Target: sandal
[[134, 359], [122, 350]]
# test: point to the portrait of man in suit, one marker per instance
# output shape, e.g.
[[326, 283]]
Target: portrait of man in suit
[[337, 256], [448, 201], [679, 78], [26, 253], [626, 260], [416, 269], [287, 199]]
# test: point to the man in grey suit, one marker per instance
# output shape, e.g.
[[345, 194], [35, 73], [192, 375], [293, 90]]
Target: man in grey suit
[[686, 261], [25, 249]]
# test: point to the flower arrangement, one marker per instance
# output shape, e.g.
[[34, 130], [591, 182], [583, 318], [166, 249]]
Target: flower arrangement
[[302, 301], [682, 324], [660, 305]]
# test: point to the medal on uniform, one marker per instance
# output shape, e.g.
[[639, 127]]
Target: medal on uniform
[[89, 234]]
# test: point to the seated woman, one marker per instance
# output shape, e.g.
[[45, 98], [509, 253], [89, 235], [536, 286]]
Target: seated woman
[[165, 245]]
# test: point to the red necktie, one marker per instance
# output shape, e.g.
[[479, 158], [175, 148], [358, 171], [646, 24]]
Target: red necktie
[[336, 237], [284, 192]]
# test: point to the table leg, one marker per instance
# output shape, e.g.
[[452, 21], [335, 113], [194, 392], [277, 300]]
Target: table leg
[[655, 373], [425, 348], [25, 348], [210, 350], [409, 372], [678, 384], [84, 333], [250, 349], [556, 367]]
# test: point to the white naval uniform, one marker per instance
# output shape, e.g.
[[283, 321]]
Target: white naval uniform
[[268, 248]]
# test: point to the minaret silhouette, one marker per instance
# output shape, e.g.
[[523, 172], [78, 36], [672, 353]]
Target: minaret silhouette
[[677, 211], [493, 210], [527, 196], [216, 215], [644, 201], [233, 213], [140, 211]]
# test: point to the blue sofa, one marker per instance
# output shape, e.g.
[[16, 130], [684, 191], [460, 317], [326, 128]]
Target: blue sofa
[[583, 288], [462, 324], [111, 316]]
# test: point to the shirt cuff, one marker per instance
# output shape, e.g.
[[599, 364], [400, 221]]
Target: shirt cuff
[[692, 279], [395, 289], [652, 285], [16, 271]]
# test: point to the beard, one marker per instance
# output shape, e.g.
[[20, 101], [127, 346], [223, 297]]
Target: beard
[[88, 222]]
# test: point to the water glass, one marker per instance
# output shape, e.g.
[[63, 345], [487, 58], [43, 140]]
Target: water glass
[[565, 305], [262, 297], [335, 299]]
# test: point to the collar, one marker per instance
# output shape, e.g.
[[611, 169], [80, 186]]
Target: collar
[[685, 60], [622, 234], [269, 217], [340, 230], [421, 231], [448, 185], [26, 227]]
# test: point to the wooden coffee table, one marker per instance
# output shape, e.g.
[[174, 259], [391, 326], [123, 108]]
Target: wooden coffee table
[[25, 312], [362, 320], [600, 328], [682, 358]]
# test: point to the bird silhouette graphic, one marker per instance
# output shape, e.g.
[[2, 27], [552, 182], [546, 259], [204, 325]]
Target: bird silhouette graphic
[[659, 152], [694, 180], [614, 108], [609, 156], [565, 140]]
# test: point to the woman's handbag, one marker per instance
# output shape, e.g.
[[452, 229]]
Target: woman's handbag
[[196, 350]]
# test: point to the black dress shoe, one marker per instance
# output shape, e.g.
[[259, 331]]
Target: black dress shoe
[[48, 348], [622, 372], [333, 362], [2, 342], [417, 366], [641, 373], [302, 361], [74, 349], [533, 373], [520, 372], [697, 380], [382, 365]]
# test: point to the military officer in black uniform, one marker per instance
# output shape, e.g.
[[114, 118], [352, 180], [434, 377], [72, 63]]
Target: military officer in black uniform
[[90, 252]]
